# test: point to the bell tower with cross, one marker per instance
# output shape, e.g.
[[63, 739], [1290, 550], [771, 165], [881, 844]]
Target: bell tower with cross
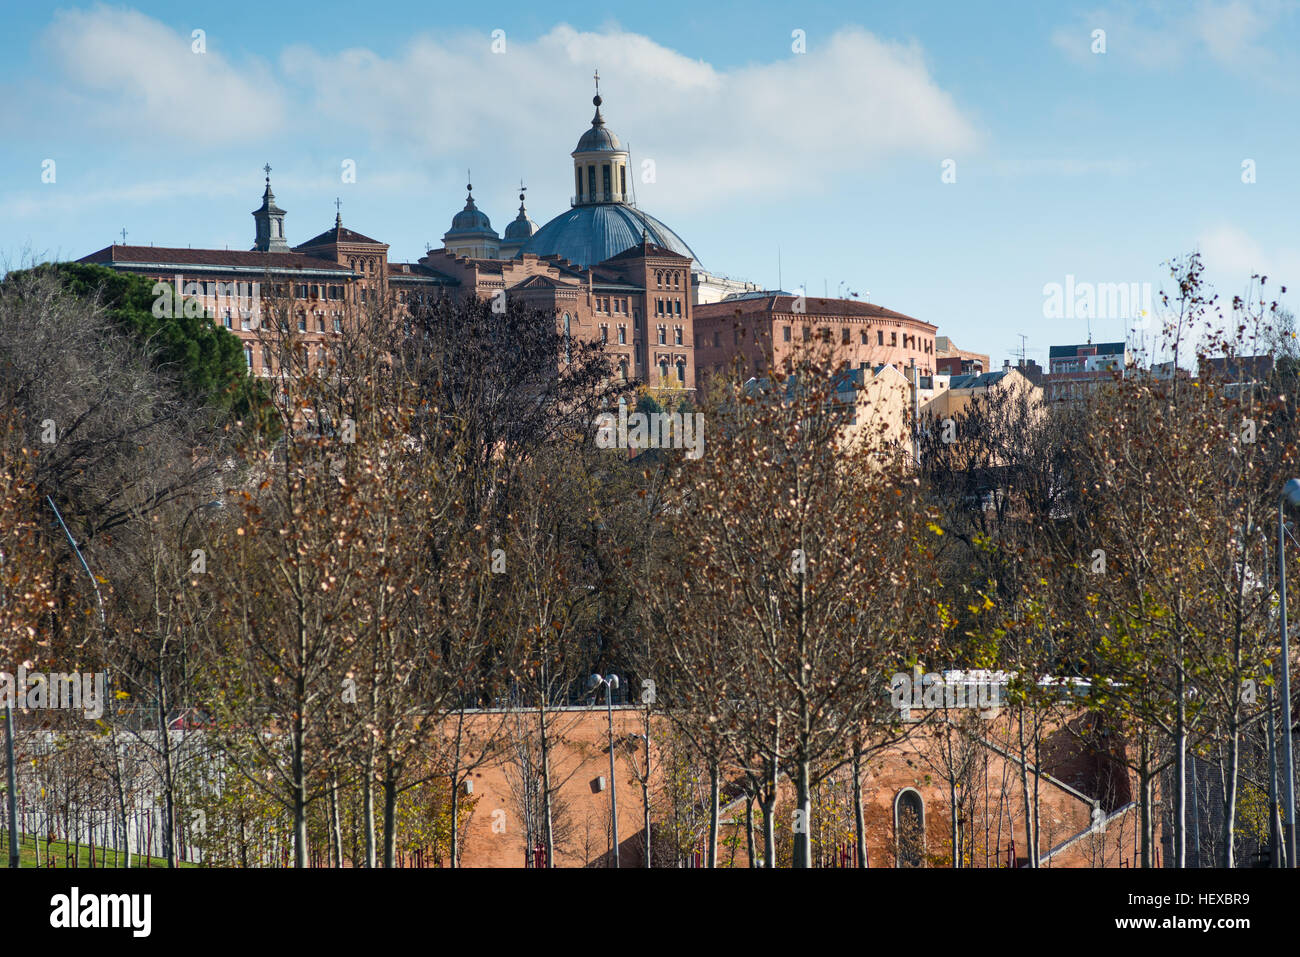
[[270, 221], [600, 164]]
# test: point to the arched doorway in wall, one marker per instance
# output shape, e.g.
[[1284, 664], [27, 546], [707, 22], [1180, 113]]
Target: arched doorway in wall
[[909, 828]]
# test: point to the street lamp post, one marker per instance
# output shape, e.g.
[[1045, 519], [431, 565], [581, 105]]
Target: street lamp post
[[1290, 497], [610, 682]]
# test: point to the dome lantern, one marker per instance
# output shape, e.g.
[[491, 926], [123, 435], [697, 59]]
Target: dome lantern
[[599, 162]]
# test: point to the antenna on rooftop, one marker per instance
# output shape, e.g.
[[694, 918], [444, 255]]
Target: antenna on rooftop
[[1023, 337], [779, 283]]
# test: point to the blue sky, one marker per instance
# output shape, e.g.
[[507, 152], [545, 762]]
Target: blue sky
[[1068, 162]]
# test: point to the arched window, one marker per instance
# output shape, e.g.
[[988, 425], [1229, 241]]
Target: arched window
[[681, 372], [622, 370], [909, 828]]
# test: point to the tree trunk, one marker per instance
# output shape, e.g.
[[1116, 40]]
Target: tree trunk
[[454, 777], [714, 797], [1230, 798], [390, 816], [769, 831], [336, 824], [803, 815], [547, 828], [953, 834], [859, 819], [299, 792], [1180, 768], [368, 810], [1145, 784], [750, 845], [11, 764], [169, 793], [1031, 842]]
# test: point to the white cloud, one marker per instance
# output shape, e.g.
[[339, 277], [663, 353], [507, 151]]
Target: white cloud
[[414, 120], [125, 73], [1236, 34], [1232, 256], [784, 126], [59, 198]]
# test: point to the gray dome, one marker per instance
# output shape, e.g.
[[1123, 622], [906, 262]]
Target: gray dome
[[471, 219], [599, 137], [521, 227], [586, 235]]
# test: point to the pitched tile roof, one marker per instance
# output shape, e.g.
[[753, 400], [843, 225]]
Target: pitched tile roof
[[339, 233], [168, 257], [785, 303]]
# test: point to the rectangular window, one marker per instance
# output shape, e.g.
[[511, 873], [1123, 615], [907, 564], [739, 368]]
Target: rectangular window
[[663, 336], [338, 324], [300, 291], [807, 334], [604, 333], [880, 337], [591, 182], [864, 337], [320, 322], [302, 323], [622, 335], [609, 187], [717, 340], [678, 333], [679, 307], [844, 336], [622, 180], [893, 338], [785, 333]]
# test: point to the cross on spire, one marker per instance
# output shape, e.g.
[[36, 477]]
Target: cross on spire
[[123, 235], [338, 211], [596, 76], [267, 169]]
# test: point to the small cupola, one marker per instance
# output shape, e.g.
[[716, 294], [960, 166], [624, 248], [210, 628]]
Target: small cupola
[[270, 221]]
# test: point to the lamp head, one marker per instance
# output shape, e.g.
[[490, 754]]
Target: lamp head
[[1291, 493]]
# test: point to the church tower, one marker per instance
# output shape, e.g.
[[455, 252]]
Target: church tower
[[270, 222], [599, 163], [471, 232]]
